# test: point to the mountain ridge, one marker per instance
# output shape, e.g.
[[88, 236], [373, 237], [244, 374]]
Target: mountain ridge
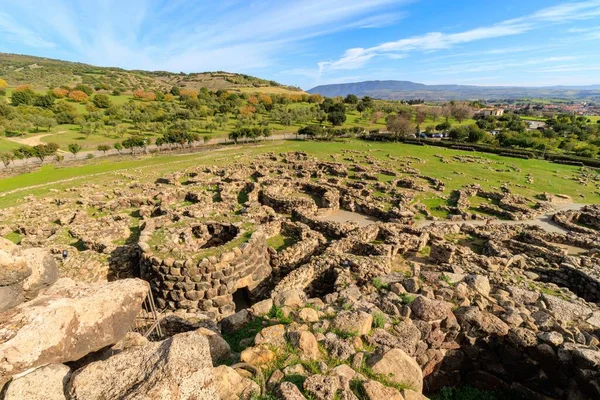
[[407, 90]]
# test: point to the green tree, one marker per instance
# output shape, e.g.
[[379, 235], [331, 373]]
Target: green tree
[[103, 148], [42, 151], [74, 148], [351, 99], [22, 97], [336, 118], [44, 101], [101, 101], [118, 147]]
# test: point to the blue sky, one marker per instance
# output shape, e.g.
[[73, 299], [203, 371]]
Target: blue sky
[[312, 42]]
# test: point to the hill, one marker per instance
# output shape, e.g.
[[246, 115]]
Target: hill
[[45, 72], [406, 90]]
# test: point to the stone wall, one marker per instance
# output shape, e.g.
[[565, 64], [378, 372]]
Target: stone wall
[[207, 284]]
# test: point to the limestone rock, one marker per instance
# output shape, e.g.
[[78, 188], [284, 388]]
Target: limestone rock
[[485, 321], [306, 343], [235, 322], [232, 386], [176, 368], [376, 391], [289, 391], [308, 315], [45, 383], [399, 367], [429, 310], [272, 335], [292, 298], [67, 322], [353, 322], [257, 355], [262, 308], [564, 310], [479, 283], [219, 348], [44, 271]]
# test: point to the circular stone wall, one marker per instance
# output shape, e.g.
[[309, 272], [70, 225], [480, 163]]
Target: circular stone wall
[[205, 283]]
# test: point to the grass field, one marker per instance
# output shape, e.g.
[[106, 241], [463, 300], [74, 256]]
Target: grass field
[[547, 177]]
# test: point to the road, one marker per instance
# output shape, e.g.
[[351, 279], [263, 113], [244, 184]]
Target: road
[[35, 140]]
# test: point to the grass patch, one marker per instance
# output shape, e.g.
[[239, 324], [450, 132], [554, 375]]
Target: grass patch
[[280, 242], [248, 331], [378, 320], [379, 284], [14, 237]]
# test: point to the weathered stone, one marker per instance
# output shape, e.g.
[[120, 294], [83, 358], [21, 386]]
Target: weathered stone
[[479, 283], [376, 391], [235, 322], [45, 383], [69, 321], [306, 343], [219, 348], [289, 391], [262, 308], [272, 335], [258, 355], [176, 368], [291, 298], [353, 322], [399, 367], [229, 385], [308, 315], [429, 310]]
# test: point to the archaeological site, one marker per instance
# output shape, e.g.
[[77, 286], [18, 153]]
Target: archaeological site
[[291, 277]]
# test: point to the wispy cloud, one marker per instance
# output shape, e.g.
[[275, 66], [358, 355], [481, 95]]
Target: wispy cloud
[[356, 58], [188, 36]]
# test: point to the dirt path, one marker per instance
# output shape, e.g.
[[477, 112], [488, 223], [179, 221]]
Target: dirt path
[[30, 141], [543, 221]]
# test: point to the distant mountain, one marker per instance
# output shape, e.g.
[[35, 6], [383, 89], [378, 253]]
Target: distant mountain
[[406, 90]]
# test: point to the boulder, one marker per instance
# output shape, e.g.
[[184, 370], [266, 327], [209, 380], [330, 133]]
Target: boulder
[[257, 355], [566, 311], [376, 391], [235, 322], [306, 343], [412, 395], [44, 271], [292, 298], [67, 322], [262, 308], [232, 386], [308, 315], [13, 269], [272, 335], [479, 283], [219, 348], [45, 383], [353, 322], [289, 391], [485, 321], [429, 310], [178, 368], [399, 367]]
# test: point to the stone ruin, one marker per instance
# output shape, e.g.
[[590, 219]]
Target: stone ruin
[[501, 306]]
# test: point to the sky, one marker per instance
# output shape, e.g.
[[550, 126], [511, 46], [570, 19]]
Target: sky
[[313, 42]]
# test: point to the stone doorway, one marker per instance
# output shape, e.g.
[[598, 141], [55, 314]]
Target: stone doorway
[[241, 298]]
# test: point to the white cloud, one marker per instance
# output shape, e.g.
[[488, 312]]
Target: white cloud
[[358, 57]]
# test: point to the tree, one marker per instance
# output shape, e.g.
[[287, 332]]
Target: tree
[[399, 126], [460, 112], [444, 126], [7, 158], [44, 101], [84, 88], [351, 99], [134, 142], [101, 101], [74, 148], [22, 97], [420, 117], [103, 148], [78, 96], [42, 151], [336, 118], [60, 93], [118, 147]]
